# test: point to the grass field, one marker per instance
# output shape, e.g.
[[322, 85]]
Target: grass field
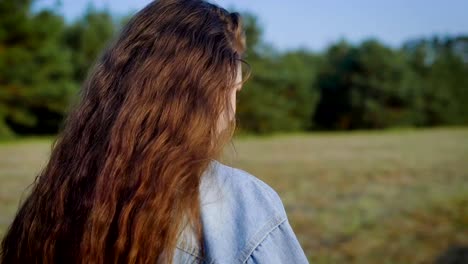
[[361, 197]]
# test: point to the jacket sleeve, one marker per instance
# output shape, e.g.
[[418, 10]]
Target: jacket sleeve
[[279, 246]]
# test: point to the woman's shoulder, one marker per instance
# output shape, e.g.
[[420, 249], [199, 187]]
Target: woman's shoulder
[[233, 187], [244, 220], [238, 212]]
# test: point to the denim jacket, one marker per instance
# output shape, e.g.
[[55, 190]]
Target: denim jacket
[[244, 221]]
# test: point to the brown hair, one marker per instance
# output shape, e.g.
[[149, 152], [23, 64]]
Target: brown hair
[[126, 166]]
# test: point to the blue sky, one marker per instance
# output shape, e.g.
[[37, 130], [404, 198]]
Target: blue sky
[[315, 24]]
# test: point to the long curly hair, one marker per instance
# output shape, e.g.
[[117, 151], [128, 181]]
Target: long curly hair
[[126, 166]]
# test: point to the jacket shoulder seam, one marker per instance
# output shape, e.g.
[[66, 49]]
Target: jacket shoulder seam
[[259, 236], [193, 253], [188, 251]]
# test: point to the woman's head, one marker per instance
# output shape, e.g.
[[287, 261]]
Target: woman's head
[[184, 57], [125, 169]]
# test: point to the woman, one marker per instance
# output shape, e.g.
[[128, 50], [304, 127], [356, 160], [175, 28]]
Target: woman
[[133, 175]]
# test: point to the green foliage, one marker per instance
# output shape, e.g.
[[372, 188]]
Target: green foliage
[[372, 86], [442, 85], [363, 87], [280, 95], [87, 37], [35, 69]]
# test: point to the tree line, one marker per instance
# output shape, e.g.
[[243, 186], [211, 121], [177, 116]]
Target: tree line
[[44, 60]]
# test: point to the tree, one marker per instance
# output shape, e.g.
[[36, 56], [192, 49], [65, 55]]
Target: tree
[[35, 69], [441, 66], [369, 86], [279, 95], [87, 37]]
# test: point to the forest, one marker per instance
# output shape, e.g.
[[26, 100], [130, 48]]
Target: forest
[[44, 58]]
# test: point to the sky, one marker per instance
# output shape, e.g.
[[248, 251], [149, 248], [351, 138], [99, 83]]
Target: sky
[[315, 24]]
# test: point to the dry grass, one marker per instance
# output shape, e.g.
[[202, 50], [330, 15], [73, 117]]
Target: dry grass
[[19, 164], [363, 197], [367, 197]]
